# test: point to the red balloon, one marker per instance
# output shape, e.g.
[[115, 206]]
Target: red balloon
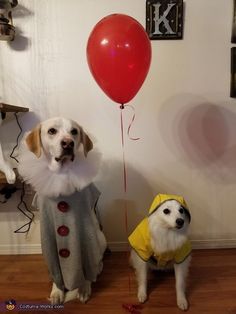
[[119, 56]]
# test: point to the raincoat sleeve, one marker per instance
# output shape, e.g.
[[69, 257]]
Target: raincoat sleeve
[[140, 241]]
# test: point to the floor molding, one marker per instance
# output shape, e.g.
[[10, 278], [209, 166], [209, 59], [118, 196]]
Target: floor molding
[[196, 244], [214, 244], [16, 249]]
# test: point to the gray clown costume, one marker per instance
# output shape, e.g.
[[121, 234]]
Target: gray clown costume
[[70, 237]]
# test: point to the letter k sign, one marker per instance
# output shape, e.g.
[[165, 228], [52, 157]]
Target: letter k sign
[[162, 19]]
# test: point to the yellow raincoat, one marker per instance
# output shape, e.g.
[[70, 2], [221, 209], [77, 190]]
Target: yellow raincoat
[[140, 238]]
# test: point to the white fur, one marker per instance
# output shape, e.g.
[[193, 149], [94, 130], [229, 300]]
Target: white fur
[[51, 178], [56, 295], [5, 167], [164, 234], [164, 237], [83, 294]]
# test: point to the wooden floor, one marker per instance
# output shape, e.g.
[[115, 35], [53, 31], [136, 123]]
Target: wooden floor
[[211, 285]]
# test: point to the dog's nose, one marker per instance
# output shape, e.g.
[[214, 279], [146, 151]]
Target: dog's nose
[[67, 143], [179, 222]]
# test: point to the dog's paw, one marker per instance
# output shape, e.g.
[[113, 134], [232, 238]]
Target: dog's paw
[[83, 297], [10, 176], [85, 292], [57, 295], [71, 295], [182, 303], [100, 267], [142, 296]]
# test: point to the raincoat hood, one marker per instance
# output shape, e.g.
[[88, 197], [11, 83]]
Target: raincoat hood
[[162, 198]]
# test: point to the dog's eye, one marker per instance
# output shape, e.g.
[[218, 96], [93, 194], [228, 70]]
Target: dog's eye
[[52, 131], [181, 210], [74, 132], [166, 211]]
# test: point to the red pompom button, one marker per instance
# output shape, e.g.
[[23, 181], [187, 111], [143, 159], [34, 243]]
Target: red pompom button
[[63, 206], [64, 252], [63, 231]]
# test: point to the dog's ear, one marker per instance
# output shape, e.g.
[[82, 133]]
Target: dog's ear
[[85, 140], [187, 213], [33, 141]]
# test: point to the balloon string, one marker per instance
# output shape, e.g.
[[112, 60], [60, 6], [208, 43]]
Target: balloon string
[[124, 181], [131, 123], [123, 150]]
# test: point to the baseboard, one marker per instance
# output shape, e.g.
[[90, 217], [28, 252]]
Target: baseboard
[[214, 244], [15, 249], [116, 246], [196, 244]]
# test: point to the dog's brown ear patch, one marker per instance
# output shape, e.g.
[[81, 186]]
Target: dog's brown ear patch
[[87, 143], [33, 141]]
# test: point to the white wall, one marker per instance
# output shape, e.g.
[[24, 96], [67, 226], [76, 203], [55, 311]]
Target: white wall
[[184, 115]]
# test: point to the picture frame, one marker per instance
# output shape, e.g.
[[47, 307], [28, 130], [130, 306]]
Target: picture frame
[[233, 35], [233, 73], [164, 19]]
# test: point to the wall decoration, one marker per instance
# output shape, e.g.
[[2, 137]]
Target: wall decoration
[[233, 55], [164, 19], [233, 73], [233, 35], [7, 29]]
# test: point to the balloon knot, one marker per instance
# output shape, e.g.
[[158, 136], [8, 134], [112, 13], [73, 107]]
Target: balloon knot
[[122, 106]]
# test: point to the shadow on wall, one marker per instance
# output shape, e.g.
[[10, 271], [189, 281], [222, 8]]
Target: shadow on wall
[[20, 43], [10, 131], [112, 202], [202, 134], [29, 121]]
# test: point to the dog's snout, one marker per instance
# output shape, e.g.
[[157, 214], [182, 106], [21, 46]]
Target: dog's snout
[[179, 222], [67, 143]]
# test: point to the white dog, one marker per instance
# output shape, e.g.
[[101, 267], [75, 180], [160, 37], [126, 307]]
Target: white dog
[[160, 241], [57, 158]]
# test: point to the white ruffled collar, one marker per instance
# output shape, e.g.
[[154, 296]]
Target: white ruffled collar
[[72, 177]]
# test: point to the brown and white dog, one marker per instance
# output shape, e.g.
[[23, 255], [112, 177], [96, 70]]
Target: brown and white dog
[[54, 157], [58, 159]]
